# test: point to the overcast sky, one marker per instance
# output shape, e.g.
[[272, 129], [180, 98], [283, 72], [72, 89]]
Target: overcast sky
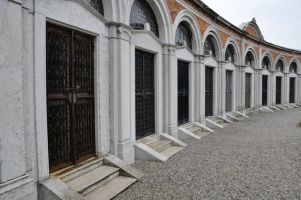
[[278, 20]]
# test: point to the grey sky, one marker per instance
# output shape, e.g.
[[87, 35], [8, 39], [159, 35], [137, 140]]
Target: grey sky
[[279, 20]]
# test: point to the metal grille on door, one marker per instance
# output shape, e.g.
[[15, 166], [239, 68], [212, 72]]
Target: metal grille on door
[[292, 90], [145, 94], [248, 92], [278, 89], [70, 96], [209, 91], [264, 90], [229, 91], [183, 92]]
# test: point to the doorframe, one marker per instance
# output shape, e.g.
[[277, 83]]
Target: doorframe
[[266, 73], [293, 75], [153, 46], [186, 55], [40, 88], [213, 63], [230, 67], [249, 70], [279, 74]]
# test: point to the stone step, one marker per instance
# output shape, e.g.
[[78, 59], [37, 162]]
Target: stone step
[[111, 188], [83, 169], [172, 150], [200, 130], [195, 129], [93, 179], [217, 120], [160, 145], [203, 134], [187, 126]]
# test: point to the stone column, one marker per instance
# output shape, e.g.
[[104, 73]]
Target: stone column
[[197, 88], [257, 88], [241, 85], [170, 90], [202, 89], [272, 88], [12, 136], [220, 94], [121, 91]]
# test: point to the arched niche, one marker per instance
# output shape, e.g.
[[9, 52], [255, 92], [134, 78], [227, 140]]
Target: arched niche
[[185, 17], [158, 8], [142, 14], [293, 68], [250, 59], [266, 63], [280, 65], [211, 46], [183, 35]]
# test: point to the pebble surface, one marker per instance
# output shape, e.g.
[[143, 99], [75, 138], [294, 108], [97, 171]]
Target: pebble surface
[[258, 158]]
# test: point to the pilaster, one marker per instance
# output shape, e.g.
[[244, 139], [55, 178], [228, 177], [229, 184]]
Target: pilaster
[[121, 91], [170, 73]]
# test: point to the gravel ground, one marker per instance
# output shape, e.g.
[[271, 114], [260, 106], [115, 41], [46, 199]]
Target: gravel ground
[[259, 158]]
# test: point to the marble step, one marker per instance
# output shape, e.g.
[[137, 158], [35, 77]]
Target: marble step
[[160, 145], [170, 151], [187, 126], [93, 179], [111, 189], [195, 129], [78, 171]]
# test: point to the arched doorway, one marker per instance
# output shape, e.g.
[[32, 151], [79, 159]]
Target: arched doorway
[[266, 65], [250, 63], [279, 82], [183, 38], [142, 14], [211, 50]]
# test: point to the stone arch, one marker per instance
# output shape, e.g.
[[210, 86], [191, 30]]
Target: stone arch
[[267, 58], [237, 56], [161, 13], [187, 17], [212, 33], [250, 51]]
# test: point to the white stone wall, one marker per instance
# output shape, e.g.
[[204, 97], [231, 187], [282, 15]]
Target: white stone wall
[[23, 120]]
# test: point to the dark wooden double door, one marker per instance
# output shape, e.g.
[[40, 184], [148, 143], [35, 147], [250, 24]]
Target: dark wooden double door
[[183, 92], [278, 89], [292, 90], [264, 90], [145, 94], [209, 91], [70, 96]]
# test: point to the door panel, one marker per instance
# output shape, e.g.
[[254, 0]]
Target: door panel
[[292, 90], [209, 91], [229, 92], [248, 91], [183, 92], [145, 94], [264, 90], [70, 96], [278, 90]]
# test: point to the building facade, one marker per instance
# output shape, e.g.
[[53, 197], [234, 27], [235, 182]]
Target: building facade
[[113, 72]]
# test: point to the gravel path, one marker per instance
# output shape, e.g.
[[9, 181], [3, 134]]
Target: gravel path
[[259, 158]]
